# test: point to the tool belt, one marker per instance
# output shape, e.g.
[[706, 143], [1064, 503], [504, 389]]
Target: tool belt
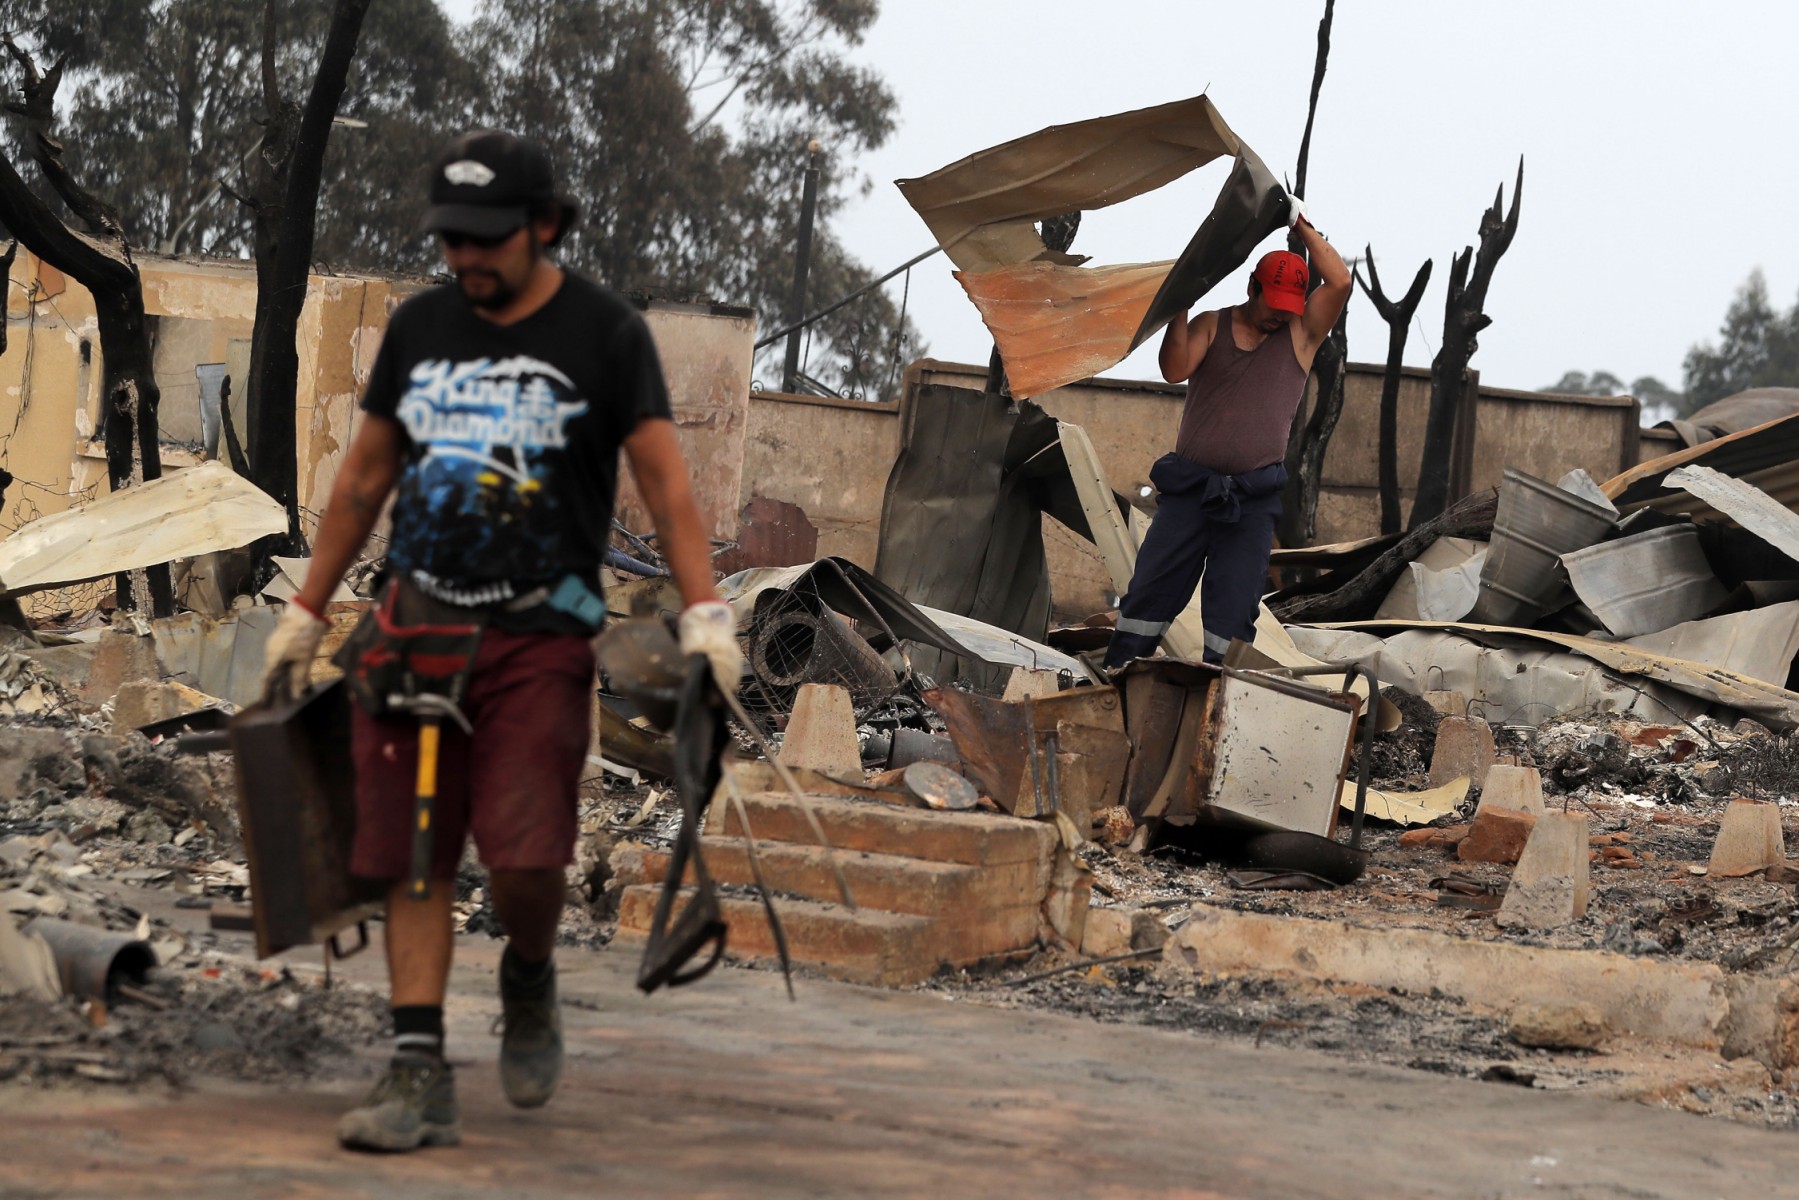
[[409, 645]]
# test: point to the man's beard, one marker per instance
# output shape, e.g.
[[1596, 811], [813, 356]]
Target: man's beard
[[503, 293]]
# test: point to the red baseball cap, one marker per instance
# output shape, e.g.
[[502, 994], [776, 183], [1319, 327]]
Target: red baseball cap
[[1283, 277]]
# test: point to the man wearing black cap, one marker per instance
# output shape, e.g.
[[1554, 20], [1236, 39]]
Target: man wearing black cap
[[494, 413]]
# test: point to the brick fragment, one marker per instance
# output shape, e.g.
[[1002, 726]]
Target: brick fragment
[[1497, 836]]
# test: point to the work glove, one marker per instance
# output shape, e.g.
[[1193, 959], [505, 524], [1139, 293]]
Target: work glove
[[291, 649], [1296, 210], [710, 628]]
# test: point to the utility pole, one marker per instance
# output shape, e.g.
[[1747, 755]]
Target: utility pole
[[802, 264]]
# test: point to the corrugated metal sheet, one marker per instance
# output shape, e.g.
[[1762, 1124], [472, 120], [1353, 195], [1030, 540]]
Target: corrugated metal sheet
[[1743, 503], [1766, 456], [1647, 581], [1774, 706], [1054, 324], [982, 210]]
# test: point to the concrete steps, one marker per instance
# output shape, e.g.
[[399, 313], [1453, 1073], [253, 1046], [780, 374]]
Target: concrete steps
[[931, 888]]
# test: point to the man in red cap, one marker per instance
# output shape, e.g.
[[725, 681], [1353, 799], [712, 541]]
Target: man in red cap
[[1219, 492]]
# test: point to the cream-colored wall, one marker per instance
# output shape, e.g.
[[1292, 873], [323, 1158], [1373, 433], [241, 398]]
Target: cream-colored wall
[[830, 457], [706, 351], [49, 402]]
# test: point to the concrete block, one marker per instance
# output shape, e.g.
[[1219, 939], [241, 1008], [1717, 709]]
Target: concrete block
[[1464, 747], [1558, 1026], [1749, 840], [1108, 933], [1549, 887], [1517, 788], [1450, 704], [821, 734], [1498, 835], [1648, 997], [140, 702], [1027, 683], [118, 658]]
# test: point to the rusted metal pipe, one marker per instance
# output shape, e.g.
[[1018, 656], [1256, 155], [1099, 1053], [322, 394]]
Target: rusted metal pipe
[[93, 962]]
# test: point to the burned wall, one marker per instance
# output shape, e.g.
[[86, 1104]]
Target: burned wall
[[706, 350], [1132, 423], [831, 457]]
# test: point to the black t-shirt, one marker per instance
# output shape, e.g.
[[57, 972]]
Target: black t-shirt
[[513, 435]]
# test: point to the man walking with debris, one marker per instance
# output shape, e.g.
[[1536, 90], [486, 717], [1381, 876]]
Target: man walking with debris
[[496, 408], [1219, 492]]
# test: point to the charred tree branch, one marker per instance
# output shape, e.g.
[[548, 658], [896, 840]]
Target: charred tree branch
[[102, 264], [1398, 317], [1463, 320]]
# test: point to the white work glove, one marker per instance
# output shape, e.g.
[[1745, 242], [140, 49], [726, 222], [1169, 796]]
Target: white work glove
[[1296, 210], [293, 646], [710, 628]]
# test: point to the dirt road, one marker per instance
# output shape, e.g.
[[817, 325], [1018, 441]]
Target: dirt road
[[728, 1090]]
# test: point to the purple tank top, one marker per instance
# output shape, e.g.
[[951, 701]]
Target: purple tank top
[[1240, 403]]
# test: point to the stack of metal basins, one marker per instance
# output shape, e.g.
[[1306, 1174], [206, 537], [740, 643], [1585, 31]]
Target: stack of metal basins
[[1537, 522]]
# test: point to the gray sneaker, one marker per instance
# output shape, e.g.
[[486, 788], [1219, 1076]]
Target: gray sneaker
[[531, 1044], [413, 1105]]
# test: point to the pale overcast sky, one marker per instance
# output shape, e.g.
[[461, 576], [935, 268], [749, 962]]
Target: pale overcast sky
[[1659, 166]]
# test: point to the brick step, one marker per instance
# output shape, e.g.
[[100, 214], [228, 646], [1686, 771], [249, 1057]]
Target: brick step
[[890, 882], [973, 838], [866, 946], [976, 912]]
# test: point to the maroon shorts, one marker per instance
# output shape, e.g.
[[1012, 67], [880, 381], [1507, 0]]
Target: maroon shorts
[[513, 785]]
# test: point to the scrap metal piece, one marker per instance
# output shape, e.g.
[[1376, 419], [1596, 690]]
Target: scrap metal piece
[[1061, 169], [915, 746], [185, 513], [93, 962], [981, 210], [1313, 854], [794, 640], [297, 804], [1279, 753], [1766, 457], [940, 788], [1056, 324], [1002, 745], [1536, 524], [1514, 678], [1646, 582], [1742, 502], [1760, 643]]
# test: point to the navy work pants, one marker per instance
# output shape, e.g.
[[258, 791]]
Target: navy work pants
[[1227, 539]]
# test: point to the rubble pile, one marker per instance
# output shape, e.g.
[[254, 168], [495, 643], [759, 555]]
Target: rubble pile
[[204, 1016]]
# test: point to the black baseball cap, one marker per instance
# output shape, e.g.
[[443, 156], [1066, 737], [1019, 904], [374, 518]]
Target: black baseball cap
[[487, 182]]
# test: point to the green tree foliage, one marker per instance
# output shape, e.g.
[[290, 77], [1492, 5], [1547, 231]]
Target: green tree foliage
[[680, 126], [684, 124], [167, 101], [1758, 346], [1658, 399]]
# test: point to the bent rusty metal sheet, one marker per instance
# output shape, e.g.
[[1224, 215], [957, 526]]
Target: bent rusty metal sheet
[[1053, 320], [981, 208], [1001, 741]]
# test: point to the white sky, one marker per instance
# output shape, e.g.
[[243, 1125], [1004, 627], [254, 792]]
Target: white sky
[[1658, 163]]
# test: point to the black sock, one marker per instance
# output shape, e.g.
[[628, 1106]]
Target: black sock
[[527, 980], [419, 1029]]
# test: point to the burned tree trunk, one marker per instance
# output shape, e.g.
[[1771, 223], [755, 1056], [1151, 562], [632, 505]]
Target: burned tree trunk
[[284, 201], [1463, 320], [1310, 436], [1399, 320], [100, 260]]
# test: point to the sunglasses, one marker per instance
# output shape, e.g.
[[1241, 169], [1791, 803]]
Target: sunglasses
[[457, 241]]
